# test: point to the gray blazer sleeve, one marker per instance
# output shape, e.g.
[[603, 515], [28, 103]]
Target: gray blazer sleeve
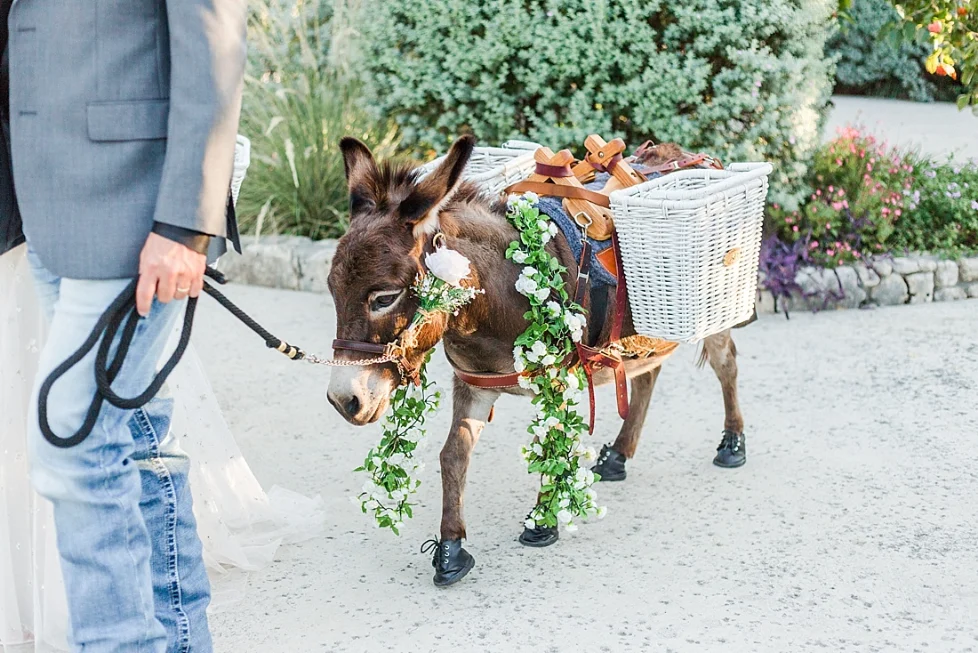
[[207, 61]]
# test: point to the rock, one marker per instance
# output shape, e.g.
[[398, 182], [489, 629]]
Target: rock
[[838, 288], [868, 277], [969, 269], [883, 268], [973, 290], [265, 262], [950, 294], [314, 260], [921, 285], [927, 263], [946, 275], [905, 266], [891, 291]]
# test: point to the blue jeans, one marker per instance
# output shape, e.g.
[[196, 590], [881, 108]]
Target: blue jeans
[[127, 538]]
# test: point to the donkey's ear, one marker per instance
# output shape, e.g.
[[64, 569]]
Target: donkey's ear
[[357, 158], [420, 208], [361, 169]]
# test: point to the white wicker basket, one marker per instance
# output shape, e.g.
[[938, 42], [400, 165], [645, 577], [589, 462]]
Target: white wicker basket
[[242, 159], [690, 242], [495, 168]]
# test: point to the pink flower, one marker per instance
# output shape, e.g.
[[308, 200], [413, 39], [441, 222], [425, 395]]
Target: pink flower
[[837, 206], [828, 226], [886, 211], [898, 212], [838, 244], [869, 167], [831, 189], [842, 192], [814, 243], [974, 204], [818, 191], [830, 252], [795, 228], [845, 203], [838, 162]]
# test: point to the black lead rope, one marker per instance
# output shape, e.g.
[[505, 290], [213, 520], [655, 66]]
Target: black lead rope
[[121, 313]]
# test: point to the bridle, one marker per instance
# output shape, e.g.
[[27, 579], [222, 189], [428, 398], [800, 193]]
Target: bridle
[[395, 351]]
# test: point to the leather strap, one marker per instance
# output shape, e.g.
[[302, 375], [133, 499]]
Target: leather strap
[[363, 347], [555, 190], [609, 166], [553, 171]]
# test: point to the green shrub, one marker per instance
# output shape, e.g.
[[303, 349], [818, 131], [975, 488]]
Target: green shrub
[[943, 213], [299, 102], [871, 63], [745, 80]]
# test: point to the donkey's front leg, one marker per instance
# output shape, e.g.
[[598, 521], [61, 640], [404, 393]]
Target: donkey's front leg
[[721, 352], [611, 460], [470, 408]]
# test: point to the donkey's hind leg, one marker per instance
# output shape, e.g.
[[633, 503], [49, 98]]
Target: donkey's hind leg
[[470, 407], [611, 461], [719, 350]]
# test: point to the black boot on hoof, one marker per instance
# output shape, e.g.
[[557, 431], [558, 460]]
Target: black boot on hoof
[[540, 536], [611, 465], [732, 451], [450, 560]]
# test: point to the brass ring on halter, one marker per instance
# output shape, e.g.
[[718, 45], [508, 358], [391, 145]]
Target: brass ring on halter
[[439, 241]]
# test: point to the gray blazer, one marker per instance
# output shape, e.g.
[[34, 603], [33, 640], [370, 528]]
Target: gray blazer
[[122, 113]]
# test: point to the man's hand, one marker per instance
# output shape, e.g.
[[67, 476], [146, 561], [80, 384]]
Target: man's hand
[[167, 270]]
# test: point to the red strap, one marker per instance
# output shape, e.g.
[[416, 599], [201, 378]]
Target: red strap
[[554, 171]]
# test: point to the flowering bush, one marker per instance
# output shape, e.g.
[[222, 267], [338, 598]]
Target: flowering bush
[[943, 210], [741, 79], [861, 192]]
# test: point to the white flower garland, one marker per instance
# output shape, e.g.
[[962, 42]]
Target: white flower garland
[[391, 464], [556, 452]]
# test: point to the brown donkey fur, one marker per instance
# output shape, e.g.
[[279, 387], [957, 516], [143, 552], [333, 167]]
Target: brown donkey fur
[[393, 218]]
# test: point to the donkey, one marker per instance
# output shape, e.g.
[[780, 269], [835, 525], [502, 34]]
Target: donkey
[[394, 216]]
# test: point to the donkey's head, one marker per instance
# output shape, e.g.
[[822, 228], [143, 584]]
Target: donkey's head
[[393, 218]]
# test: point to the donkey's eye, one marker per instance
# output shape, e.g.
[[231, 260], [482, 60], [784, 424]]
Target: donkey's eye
[[385, 299]]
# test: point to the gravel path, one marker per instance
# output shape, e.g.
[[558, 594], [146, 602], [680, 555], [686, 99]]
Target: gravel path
[[852, 527]]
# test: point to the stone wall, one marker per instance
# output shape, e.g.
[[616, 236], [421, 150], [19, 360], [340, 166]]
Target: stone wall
[[297, 263]]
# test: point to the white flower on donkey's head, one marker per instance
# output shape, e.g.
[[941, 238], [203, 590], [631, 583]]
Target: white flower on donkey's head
[[539, 348], [554, 308], [519, 256], [564, 516], [546, 237], [552, 229], [573, 382], [549, 359], [519, 364], [542, 293], [551, 422], [525, 383], [531, 197], [372, 504], [448, 265], [537, 448]]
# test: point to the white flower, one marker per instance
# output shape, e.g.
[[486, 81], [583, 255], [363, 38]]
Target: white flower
[[590, 454], [537, 448], [531, 197], [377, 461], [570, 528], [417, 469], [552, 229], [526, 286], [519, 365], [602, 511], [572, 382], [524, 383], [519, 256], [398, 525], [539, 348], [448, 265], [397, 495], [542, 225], [542, 294], [549, 359], [529, 523], [551, 422], [397, 459], [546, 237], [372, 505], [564, 517], [529, 271], [554, 308]]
